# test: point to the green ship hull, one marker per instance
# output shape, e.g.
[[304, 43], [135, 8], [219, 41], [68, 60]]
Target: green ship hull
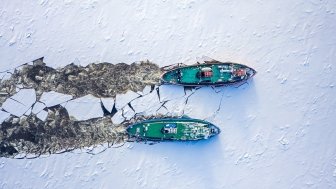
[[211, 73], [180, 129]]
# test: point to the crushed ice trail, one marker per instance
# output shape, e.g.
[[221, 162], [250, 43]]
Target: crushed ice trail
[[47, 111], [99, 80]]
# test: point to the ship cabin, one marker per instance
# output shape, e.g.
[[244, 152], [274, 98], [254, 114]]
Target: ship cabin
[[205, 73], [169, 128]]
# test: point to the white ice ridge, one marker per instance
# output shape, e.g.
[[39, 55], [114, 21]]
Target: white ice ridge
[[20, 103], [85, 108]]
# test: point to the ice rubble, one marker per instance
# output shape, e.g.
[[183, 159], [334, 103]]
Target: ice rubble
[[36, 117], [61, 85], [77, 81]]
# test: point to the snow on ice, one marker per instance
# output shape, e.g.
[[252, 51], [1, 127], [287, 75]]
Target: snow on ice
[[264, 123]]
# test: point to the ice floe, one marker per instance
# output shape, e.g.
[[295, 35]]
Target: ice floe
[[124, 99], [128, 113], [118, 118], [108, 103], [53, 98], [145, 91], [169, 92], [20, 102], [38, 106], [3, 116], [42, 115], [147, 104], [84, 108]]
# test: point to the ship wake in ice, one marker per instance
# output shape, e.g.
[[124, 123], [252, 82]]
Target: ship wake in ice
[[47, 111]]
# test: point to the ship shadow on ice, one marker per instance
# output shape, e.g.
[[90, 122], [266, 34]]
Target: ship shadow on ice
[[193, 160], [225, 105], [232, 107], [239, 106]]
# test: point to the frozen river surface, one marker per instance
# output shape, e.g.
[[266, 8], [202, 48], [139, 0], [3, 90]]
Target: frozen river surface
[[277, 130]]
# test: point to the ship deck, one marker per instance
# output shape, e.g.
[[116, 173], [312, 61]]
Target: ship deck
[[189, 75], [184, 130], [221, 74]]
